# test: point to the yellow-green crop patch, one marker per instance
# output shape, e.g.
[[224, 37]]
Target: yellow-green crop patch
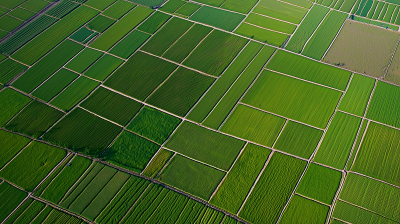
[[11, 145], [260, 34], [12, 102], [254, 125], [225, 20], [280, 10], [302, 210], [292, 98], [83, 60], [205, 145]]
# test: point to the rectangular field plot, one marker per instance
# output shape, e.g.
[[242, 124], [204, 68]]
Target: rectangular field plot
[[154, 124], [121, 28], [369, 53], [47, 66], [83, 60], [271, 24], [74, 93], [167, 36], [293, 98], [123, 201], [54, 85], [112, 105], [27, 212], [118, 9], [280, 10], [228, 102], [242, 6], [22, 14], [188, 9], [214, 94], [308, 69], [320, 183], [9, 69], [384, 106], [260, 34], [26, 172], [216, 17], [9, 23], [140, 75], [12, 102], [338, 141], [100, 5], [356, 98], [181, 91], [10, 198], [11, 145], [155, 21], [157, 163], [307, 27], [100, 23], [298, 139], [215, 52], [69, 174], [378, 155], [393, 73], [254, 125], [129, 44], [233, 191], [35, 49], [205, 145], [302, 210], [192, 177], [34, 5], [83, 132], [131, 151], [182, 48], [103, 67], [373, 195], [273, 189], [35, 119]]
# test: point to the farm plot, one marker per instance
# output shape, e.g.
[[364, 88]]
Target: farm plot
[[118, 9], [221, 86], [54, 85], [34, 5], [379, 153], [237, 184], [11, 145], [214, 54], [182, 48], [47, 66], [167, 36], [66, 178], [373, 195], [121, 28], [356, 98], [8, 23], [11, 4], [307, 27], [190, 176], [27, 173], [154, 22], [369, 53], [338, 141], [154, 124], [100, 23], [181, 91], [35, 119], [384, 106], [26, 212], [242, 6], [260, 34], [270, 24], [10, 69], [224, 107], [103, 67], [302, 210], [308, 69], [170, 209], [320, 183], [74, 93], [280, 10], [324, 35], [83, 60], [100, 5], [205, 145], [112, 105], [131, 151], [158, 163], [12, 102], [393, 73], [172, 5], [82, 34], [123, 201], [21, 14], [10, 197], [35, 49], [298, 139], [25, 34], [188, 9], [129, 44], [140, 75], [347, 6], [292, 98], [62, 9], [253, 125], [83, 132], [56, 216], [273, 189], [218, 18]]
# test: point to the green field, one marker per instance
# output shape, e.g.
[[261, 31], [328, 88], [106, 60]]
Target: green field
[[302, 210], [155, 21], [129, 44], [10, 198], [158, 163], [12, 103], [263, 35], [103, 67], [83, 60], [219, 18], [11, 144]]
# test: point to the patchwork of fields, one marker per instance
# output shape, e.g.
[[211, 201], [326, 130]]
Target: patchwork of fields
[[206, 111]]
